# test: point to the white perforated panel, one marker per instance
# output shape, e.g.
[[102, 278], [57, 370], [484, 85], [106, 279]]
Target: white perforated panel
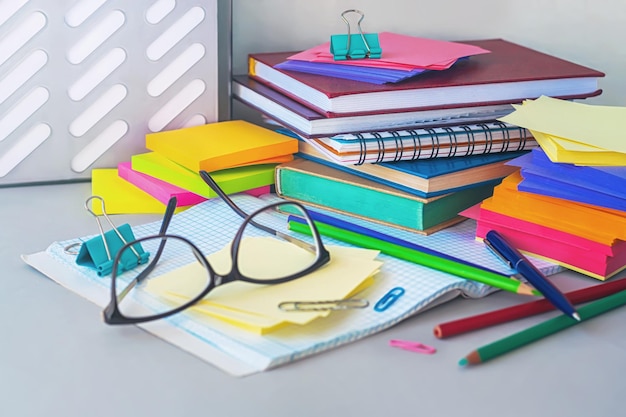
[[83, 81]]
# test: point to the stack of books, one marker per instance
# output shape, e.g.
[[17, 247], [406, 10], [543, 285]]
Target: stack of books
[[240, 156], [571, 213], [427, 142]]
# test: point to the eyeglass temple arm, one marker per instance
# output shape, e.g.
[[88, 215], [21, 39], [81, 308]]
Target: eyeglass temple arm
[[215, 187], [167, 218], [218, 190]]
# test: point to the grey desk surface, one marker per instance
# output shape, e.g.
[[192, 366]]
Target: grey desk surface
[[57, 358]]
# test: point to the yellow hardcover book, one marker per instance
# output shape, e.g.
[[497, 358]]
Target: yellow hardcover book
[[222, 145], [231, 180], [122, 197]]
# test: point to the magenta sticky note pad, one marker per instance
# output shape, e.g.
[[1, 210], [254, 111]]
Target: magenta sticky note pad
[[157, 188]]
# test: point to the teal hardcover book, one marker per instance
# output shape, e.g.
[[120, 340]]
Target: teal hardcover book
[[322, 186]]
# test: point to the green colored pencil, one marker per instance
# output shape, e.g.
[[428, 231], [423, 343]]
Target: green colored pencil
[[446, 265], [541, 330]]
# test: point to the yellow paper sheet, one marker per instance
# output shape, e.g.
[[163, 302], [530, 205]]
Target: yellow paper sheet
[[255, 307], [599, 126]]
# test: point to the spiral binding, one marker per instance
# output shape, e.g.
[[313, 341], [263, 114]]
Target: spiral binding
[[462, 140]]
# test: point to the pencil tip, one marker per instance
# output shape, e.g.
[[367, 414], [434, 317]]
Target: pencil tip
[[463, 362], [576, 316]]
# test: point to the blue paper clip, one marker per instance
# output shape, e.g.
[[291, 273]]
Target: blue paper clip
[[355, 46], [99, 252], [389, 299]]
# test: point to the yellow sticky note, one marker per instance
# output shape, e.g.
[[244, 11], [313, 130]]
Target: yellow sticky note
[[593, 125], [563, 150], [221, 145], [255, 307]]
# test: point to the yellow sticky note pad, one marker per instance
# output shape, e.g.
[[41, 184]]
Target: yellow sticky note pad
[[221, 145], [564, 150], [122, 197], [255, 307], [565, 125]]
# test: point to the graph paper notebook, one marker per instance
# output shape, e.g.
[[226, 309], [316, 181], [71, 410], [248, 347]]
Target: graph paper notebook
[[239, 352]]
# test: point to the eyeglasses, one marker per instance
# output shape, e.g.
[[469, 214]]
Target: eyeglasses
[[151, 291]]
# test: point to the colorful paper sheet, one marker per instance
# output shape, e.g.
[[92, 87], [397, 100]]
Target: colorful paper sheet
[[401, 52], [372, 75]]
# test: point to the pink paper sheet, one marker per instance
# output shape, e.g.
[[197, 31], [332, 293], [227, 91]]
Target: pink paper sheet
[[401, 52]]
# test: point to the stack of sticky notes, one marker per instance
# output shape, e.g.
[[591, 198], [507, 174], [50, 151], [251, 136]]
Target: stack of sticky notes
[[239, 155], [567, 201]]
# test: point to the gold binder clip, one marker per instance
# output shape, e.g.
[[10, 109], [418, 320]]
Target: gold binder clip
[[355, 46]]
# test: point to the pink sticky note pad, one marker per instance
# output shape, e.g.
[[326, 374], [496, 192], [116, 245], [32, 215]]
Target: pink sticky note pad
[[157, 188], [163, 191]]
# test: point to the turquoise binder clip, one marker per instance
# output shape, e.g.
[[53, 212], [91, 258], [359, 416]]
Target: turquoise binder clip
[[355, 46], [99, 252]]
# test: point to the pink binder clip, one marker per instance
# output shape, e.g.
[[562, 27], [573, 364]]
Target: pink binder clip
[[413, 346]]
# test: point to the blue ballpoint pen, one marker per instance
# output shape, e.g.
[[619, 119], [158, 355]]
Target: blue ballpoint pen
[[514, 258]]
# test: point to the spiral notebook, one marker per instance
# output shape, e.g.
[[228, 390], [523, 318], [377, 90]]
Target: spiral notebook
[[239, 352], [424, 143]]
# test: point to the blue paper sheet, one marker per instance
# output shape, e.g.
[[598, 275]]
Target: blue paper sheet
[[364, 74]]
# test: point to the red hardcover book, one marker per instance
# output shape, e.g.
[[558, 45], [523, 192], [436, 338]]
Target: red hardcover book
[[309, 123], [510, 73]]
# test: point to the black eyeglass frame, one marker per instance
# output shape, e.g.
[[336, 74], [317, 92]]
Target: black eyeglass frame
[[112, 313]]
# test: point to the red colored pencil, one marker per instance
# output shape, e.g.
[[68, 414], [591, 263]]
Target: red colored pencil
[[519, 311]]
